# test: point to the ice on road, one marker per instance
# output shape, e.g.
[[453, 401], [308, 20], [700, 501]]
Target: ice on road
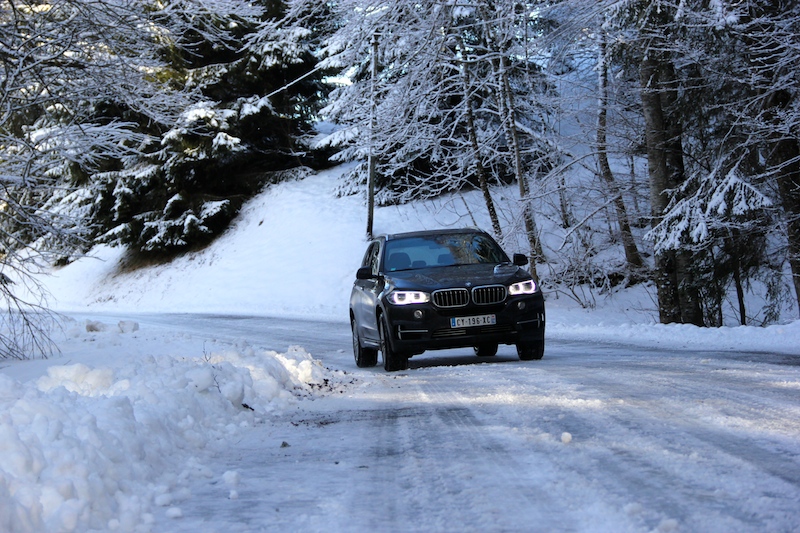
[[591, 438]]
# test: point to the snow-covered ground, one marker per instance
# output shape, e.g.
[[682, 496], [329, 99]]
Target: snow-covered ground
[[101, 436], [116, 432]]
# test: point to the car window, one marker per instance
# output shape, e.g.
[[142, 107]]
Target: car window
[[441, 250], [371, 257]]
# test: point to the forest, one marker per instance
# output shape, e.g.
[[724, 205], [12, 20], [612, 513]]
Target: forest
[[660, 137]]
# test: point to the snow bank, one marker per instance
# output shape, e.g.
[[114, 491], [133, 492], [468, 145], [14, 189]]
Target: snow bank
[[103, 448], [780, 338]]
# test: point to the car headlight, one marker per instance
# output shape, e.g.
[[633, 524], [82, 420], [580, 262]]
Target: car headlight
[[409, 297], [522, 287]]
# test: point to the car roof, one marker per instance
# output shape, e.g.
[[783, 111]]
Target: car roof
[[428, 233]]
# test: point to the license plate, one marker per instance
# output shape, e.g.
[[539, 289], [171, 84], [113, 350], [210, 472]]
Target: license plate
[[469, 321]]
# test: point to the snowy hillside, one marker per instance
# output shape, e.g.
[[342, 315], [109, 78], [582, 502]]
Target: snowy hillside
[[294, 250]]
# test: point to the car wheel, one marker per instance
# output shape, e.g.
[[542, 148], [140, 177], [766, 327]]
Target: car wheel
[[365, 357], [392, 361], [529, 351], [486, 350]]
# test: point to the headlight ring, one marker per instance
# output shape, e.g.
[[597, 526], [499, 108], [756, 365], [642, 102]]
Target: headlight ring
[[409, 297], [522, 287]]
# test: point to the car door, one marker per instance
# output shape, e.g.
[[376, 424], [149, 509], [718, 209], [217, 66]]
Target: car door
[[366, 295]]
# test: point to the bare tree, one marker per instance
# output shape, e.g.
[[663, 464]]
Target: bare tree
[[446, 113], [483, 182], [509, 113], [61, 62], [632, 256]]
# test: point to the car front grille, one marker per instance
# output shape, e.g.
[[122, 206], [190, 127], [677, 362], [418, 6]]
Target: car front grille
[[451, 298], [486, 295], [490, 294]]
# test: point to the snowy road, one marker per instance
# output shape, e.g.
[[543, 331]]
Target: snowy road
[[591, 438]]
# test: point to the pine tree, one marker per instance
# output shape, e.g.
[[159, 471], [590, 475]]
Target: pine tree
[[65, 65], [239, 133]]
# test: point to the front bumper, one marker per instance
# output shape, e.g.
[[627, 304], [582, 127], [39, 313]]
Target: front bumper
[[518, 319]]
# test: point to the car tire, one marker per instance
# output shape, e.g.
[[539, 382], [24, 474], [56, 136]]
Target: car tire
[[392, 361], [365, 357], [486, 350], [530, 351]]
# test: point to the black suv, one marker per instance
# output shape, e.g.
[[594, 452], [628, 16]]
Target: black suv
[[440, 289]]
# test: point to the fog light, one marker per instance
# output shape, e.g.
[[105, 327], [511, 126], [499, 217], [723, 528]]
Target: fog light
[[520, 305], [418, 314]]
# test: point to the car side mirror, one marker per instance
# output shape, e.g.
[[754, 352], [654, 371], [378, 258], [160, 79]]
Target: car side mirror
[[364, 273], [520, 260]]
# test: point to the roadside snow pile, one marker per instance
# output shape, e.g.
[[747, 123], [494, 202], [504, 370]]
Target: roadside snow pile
[[777, 338], [86, 448]]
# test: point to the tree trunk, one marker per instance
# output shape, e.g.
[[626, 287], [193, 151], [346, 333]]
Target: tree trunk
[[567, 220], [688, 291], [737, 280], [785, 159], [371, 163], [632, 256], [655, 137], [473, 139], [508, 114]]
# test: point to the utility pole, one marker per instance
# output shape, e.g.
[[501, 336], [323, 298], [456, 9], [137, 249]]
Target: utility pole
[[372, 120]]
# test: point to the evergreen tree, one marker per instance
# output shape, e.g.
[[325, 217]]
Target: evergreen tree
[[733, 61], [64, 63], [238, 134]]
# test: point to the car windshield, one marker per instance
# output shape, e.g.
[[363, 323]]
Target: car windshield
[[441, 250]]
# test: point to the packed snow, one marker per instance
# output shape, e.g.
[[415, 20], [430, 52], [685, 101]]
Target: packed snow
[[109, 432], [113, 432]]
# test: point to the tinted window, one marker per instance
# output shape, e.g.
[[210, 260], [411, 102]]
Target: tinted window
[[371, 257], [441, 250]]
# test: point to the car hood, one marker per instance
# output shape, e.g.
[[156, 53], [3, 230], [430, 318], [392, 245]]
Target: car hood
[[431, 279]]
